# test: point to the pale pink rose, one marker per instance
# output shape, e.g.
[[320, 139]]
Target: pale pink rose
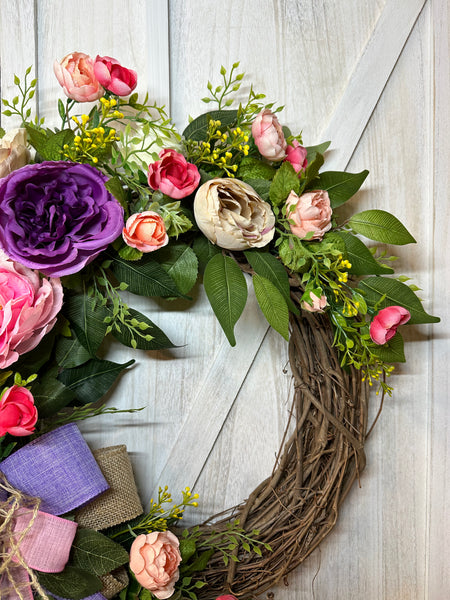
[[311, 212], [318, 304], [296, 155], [145, 231], [75, 73], [18, 414], [113, 77], [154, 560], [385, 323], [173, 175], [28, 309], [269, 136]]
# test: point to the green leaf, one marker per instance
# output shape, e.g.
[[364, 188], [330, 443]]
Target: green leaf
[[397, 294], [55, 142], [381, 226], [272, 304], [187, 548], [180, 262], [312, 170], [196, 130], [144, 277], [159, 339], [71, 583], [340, 186], [318, 149], [50, 395], [92, 380], [393, 351], [70, 352], [360, 257], [129, 253], [285, 181], [252, 168], [61, 109], [261, 187], [96, 553], [114, 185], [204, 250], [87, 319], [200, 562], [268, 266], [226, 289]]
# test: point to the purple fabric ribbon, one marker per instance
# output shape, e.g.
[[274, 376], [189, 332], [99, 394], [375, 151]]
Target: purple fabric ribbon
[[58, 468]]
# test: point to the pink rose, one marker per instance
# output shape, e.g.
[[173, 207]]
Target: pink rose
[[29, 306], [154, 560], [75, 73], [269, 136], [226, 597], [113, 77], [18, 414], [145, 231], [318, 304], [311, 212], [173, 175], [385, 323], [296, 155]]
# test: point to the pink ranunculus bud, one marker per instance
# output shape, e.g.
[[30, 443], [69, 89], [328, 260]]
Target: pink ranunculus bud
[[385, 323], [269, 136], [75, 73], [145, 231], [317, 305], [311, 212], [296, 155], [226, 597], [173, 175], [113, 77], [18, 414], [29, 306], [154, 560]]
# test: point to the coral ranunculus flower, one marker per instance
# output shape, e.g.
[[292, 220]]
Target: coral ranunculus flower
[[145, 231], [75, 74], [18, 414], [57, 216], [28, 309]]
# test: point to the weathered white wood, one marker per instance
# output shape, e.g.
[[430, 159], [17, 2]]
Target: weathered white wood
[[157, 52], [438, 519], [369, 78]]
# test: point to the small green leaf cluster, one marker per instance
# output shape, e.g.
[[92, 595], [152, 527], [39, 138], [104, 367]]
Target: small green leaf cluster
[[19, 104]]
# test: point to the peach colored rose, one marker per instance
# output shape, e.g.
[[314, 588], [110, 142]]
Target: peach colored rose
[[13, 151], [18, 414], [75, 73], [231, 214], [113, 77], [145, 231], [296, 155], [385, 323], [154, 560], [309, 212], [28, 309], [269, 136], [317, 305]]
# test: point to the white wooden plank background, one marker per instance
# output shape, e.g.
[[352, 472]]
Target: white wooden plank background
[[391, 539]]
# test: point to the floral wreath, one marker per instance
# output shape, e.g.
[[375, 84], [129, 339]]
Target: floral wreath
[[116, 199]]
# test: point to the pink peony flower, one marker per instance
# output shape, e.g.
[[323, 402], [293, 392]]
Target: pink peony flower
[[173, 175], [269, 136], [318, 304], [18, 414], [145, 231], [296, 155], [113, 77], [385, 323], [75, 73], [312, 212], [28, 309], [154, 560]]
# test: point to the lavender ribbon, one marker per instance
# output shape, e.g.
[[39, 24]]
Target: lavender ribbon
[[57, 467]]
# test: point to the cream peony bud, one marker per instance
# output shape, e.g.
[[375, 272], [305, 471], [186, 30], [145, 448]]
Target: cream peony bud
[[13, 151], [231, 214]]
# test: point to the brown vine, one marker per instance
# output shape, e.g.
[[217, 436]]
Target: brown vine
[[322, 454]]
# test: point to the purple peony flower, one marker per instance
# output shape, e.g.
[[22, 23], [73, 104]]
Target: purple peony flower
[[57, 216]]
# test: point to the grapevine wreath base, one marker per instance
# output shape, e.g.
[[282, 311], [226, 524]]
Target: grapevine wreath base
[[296, 507]]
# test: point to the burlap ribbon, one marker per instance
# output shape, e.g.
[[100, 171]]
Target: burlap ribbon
[[58, 472]]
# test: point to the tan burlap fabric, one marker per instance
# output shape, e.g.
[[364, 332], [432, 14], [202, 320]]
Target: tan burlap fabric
[[114, 582], [121, 502]]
